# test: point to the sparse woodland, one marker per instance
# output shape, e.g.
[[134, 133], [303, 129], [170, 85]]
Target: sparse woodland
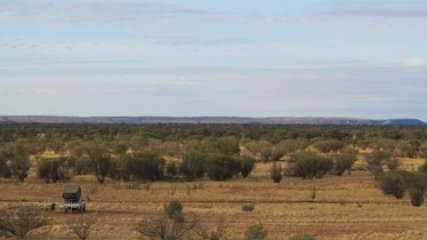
[[189, 156]]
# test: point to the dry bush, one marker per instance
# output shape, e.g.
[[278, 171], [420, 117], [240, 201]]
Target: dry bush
[[172, 224], [20, 220], [164, 228], [81, 226], [216, 233]]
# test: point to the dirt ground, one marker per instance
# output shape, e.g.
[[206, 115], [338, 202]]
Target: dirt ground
[[348, 207]]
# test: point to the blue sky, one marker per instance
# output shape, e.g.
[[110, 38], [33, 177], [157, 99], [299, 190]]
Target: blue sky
[[347, 58]]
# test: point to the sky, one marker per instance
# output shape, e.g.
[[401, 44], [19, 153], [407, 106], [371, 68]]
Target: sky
[[258, 58]]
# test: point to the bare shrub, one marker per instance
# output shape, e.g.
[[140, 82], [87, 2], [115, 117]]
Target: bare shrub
[[20, 220], [172, 224], [81, 226], [216, 233], [163, 228]]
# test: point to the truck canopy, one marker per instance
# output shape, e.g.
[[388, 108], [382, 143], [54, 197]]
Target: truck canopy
[[72, 192]]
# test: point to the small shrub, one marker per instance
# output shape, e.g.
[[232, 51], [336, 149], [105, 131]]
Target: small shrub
[[417, 184], [256, 232], [81, 226], [313, 194], [174, 210], [171, 225], [247, 164], [248, 208], [393, 183], [215, 233], [302, 237], [133, 186], [276, 172], [393, 164], [417, 196]]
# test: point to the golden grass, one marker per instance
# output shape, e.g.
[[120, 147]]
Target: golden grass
[[348, 207]]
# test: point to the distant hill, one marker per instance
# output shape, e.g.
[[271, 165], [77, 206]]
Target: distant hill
[[207, 120]]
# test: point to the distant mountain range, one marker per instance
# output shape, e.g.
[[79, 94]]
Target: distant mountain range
[[207, 120]]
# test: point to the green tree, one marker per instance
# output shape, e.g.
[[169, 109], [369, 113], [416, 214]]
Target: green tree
[[54, 170], [376, 161], [344, 162], [17, 161], [146, 166], [220, 167], [99, 161], [394, 183], [309, 165], [193, 165]]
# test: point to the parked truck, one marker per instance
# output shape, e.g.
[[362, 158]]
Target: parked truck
[[73, 199]]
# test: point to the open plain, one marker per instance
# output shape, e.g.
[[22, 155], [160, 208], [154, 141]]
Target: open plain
[[346, 207]]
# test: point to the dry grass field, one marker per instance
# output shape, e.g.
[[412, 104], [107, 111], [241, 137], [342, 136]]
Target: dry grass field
[[348, 207]]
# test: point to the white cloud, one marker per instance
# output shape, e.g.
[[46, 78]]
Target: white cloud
[[415, 62]]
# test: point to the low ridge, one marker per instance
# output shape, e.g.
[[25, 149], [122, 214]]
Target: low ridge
[[205, 120]]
